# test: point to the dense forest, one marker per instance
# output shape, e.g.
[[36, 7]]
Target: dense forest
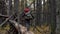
[[46, 16]]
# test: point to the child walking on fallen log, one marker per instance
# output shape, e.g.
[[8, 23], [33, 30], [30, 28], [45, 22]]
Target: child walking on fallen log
[[27, 17]]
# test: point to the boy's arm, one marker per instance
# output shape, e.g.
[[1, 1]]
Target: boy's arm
[[32, 16]]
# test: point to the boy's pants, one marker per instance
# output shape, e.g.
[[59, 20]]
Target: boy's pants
[[27, 25]]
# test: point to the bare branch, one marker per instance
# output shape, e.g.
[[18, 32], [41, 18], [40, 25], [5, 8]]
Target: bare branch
[[3, 15]]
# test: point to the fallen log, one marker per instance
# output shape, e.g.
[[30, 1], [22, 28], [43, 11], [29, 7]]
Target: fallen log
[[22, 29], [6, 20], [17, 26]]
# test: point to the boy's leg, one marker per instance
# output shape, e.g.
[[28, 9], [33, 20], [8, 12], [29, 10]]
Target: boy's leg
[[28, 25]]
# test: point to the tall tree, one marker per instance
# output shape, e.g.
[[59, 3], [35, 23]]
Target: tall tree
[[53, 15], [38, 12], [16, 9], [2, 10]]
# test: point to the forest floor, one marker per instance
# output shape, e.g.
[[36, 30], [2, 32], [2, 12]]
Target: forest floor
[[38, 30], [41, 30], [3, 30]]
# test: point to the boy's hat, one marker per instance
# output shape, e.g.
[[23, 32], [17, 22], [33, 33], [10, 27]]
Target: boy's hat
[[26, 10]]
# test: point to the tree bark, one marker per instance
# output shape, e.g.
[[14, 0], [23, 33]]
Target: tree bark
[[53, 15]]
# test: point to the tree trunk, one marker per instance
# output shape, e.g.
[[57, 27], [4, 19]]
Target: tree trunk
[[53, 15]]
